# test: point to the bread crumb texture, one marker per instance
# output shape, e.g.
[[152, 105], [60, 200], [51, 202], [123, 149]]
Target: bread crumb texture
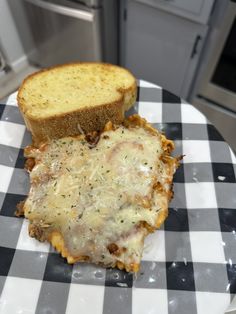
[[70, 87]]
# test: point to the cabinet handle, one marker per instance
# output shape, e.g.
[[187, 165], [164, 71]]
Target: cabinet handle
[[80, 14], [195, 46]]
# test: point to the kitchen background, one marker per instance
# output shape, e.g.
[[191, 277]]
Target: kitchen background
[[186, 46]]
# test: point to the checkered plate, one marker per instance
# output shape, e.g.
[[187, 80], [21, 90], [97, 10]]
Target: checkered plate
[[189, 266]]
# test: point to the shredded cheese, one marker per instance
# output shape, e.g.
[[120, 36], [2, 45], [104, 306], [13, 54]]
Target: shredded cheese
[[97, 196]]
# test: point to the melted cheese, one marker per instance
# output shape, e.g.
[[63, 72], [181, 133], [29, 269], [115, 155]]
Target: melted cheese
[[97, 196]]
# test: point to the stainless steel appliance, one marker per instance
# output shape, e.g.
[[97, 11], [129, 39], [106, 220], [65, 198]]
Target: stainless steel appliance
[[216, 94], [59, 31], [2, 62]]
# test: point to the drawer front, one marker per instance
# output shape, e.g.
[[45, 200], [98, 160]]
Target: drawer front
[[195, 10]]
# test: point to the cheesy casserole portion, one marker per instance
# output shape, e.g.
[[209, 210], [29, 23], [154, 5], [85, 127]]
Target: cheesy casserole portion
[[97, 202]]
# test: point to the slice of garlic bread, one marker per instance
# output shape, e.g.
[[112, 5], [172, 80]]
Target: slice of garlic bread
[[62, 100]]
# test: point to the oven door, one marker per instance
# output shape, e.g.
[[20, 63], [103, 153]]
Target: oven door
[[219, 83], [61, 31]]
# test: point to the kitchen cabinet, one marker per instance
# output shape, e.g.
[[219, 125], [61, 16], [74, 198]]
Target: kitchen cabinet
[[195, 10], [161, 47]]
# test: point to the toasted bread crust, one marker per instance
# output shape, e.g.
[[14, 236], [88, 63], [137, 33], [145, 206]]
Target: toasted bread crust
[[88, 118]]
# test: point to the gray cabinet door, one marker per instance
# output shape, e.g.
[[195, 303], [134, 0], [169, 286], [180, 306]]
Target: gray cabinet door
[[161, 47]]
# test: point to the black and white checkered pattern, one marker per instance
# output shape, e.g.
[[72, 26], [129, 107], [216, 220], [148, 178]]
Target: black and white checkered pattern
[[189, 266]]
